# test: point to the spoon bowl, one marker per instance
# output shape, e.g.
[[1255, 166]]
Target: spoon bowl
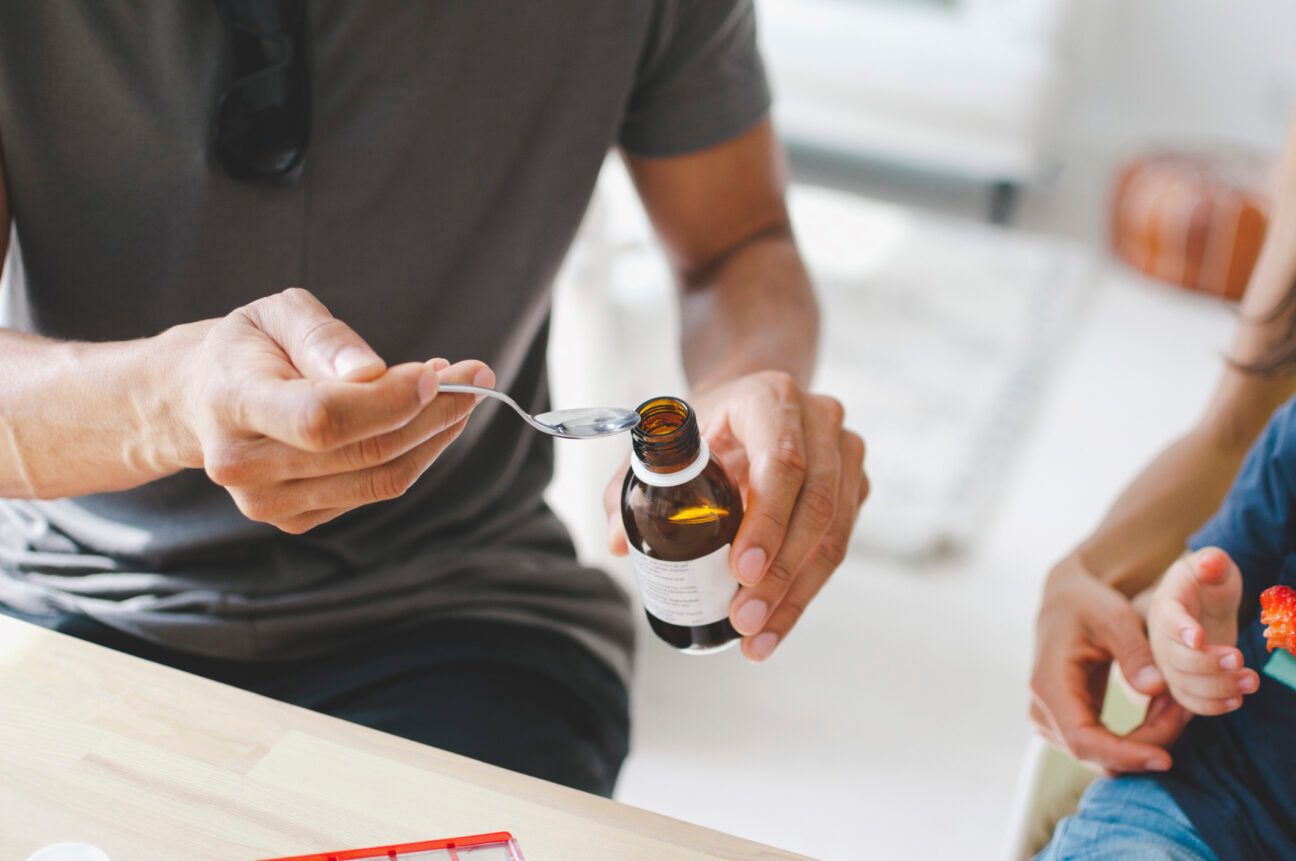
[[582, 423], [589, 422]]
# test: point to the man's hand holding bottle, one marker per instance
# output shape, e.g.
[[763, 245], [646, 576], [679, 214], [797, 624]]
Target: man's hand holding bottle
[[801, 473]]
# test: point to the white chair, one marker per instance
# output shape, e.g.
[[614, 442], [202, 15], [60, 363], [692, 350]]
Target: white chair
[[1050, 783]]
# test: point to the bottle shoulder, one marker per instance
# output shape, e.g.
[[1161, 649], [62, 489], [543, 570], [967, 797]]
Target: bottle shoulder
[[711, 497], [714, 481]]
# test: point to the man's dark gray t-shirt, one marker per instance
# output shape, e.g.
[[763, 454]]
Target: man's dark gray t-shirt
[[454, 148]]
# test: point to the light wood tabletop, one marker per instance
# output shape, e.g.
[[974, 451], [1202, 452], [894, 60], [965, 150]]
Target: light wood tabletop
[[152, 764]]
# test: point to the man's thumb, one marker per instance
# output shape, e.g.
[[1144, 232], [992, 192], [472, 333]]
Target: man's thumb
[[320, 346], [1127, 640]]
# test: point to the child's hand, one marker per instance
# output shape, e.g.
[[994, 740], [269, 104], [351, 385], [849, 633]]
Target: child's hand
[[1193, 628]]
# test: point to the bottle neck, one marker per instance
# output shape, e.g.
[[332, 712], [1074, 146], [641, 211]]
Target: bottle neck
[[666, 439], [668, 448], [683, 475]]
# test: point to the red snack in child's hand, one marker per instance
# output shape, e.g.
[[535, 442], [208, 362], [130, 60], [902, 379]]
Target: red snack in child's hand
[[1278, 611]]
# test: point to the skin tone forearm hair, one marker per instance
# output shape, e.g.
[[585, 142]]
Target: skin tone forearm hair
[[85, 418], [106, 427], [281, 404], [67, 403], [746, 300], [749, 337], [1086, 620]]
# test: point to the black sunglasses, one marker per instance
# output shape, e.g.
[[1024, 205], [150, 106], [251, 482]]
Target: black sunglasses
[[262, 124]]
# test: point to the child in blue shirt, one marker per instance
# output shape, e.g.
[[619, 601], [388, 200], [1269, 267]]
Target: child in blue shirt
[[1231, 793]]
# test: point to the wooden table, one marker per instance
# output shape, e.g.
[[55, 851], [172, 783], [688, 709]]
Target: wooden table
[[152, 764]]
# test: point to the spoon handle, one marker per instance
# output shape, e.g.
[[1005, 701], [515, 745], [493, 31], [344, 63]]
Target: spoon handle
[[465, 389]]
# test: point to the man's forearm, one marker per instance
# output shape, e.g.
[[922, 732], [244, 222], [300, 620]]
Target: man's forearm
[[80, 418], [746, 302], [756, 311]]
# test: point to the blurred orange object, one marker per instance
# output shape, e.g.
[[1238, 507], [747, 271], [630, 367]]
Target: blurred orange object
[[1197, 220]]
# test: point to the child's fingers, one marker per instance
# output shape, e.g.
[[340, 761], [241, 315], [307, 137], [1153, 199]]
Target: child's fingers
[[1211, 707], [1219, 685], [1219, 595], [1177, 625], [1210, 565], [1246, 682], [1208, 659]]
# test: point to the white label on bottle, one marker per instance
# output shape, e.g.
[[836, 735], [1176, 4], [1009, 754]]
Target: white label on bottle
[[691, 593]]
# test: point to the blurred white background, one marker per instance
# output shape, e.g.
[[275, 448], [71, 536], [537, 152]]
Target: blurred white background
[[952, 162]]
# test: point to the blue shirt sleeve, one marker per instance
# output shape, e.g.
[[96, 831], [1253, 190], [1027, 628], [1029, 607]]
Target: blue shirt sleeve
[[1255, 523]]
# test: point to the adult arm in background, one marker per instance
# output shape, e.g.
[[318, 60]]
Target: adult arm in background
[[1086, 618], [749, 339], [283, 405]]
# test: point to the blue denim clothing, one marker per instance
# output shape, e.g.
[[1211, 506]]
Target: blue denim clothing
[[1127, 819]]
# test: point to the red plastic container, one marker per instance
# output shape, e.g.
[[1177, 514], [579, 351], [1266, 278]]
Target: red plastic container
[[499, 846]]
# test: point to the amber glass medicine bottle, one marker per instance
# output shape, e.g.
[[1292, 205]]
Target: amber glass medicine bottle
[[681, 511]]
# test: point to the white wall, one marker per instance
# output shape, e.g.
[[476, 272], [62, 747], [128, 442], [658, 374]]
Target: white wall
[[1178, 70]]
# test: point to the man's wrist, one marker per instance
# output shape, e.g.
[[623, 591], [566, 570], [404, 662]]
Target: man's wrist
[[165, 403]]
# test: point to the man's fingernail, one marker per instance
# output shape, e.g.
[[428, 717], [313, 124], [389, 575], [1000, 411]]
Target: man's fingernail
[[1189, 637], [751, 565], [751, 616], [1156, 763], [484, 378], [439, 364], [1148, 677], [1231, 661], [351, 358], [1232, 703], [1248, 684], [427, 386], [763, 646]]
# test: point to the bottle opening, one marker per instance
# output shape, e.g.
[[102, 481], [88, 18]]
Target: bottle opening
[[667, 438]]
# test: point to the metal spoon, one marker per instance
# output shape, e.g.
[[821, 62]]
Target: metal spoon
[[585, 423]]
